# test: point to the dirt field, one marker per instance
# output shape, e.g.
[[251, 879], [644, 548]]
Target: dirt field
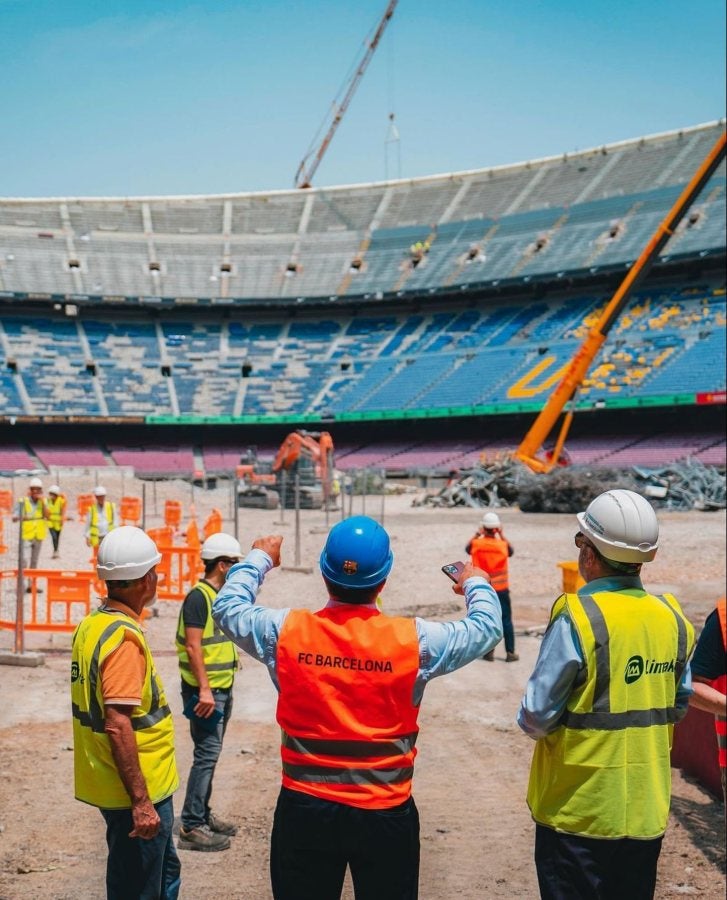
[[472, 768]]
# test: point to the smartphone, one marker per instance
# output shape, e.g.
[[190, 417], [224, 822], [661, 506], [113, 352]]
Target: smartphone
[[453, 570]]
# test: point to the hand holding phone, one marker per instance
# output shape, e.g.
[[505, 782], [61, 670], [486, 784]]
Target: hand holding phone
[[453, 570]]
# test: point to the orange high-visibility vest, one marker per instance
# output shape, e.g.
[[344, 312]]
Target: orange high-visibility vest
[[349, 725], [491, 554], [720, 684]]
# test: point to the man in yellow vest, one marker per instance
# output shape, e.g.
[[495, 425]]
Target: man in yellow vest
[[100, 519], [123, 736], [207, 661], [611, 679], [490, 550], [56, 516], [32, 512], [350, 682]]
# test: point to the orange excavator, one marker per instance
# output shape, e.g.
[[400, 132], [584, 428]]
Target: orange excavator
[[309, 456], [567, 390]]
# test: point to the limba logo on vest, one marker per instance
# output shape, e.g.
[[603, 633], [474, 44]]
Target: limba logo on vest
[[636, 667]]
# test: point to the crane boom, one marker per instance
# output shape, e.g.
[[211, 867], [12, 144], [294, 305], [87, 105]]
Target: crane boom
[[581, 362], [305, 173]]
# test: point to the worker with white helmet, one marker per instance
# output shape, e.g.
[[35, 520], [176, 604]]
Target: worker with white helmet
[[32, 513], [350, 681], [207, 662], [56, 515], [100, 518], [123, 736], [611, 679], [491, 551]]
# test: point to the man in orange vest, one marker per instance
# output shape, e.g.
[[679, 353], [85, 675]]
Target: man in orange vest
[[709, 679], [490, 551], [350, 681]]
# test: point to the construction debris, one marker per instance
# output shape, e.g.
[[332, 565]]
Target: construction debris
[[506, 482]]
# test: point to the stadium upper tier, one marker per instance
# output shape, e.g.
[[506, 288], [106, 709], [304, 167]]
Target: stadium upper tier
[[584, 211]]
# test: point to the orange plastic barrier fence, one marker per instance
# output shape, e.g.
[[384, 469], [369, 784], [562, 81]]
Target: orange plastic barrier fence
[[130, 510], [6, 501], [173, 513], [180, 568], [191, 534], [60, 607], [162, 536], [3, 547], [84, 502], [213, 523]]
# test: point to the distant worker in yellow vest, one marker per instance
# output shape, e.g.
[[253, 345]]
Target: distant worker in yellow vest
[[32, 513], [123, 736], [56, 516], [491, 551], [611, 679], [100, 518], [207, 661]]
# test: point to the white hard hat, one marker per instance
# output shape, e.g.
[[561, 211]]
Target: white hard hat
[[54, 489], [490, 520], [99, 491], [35, 482], [126, 553], [221, 544], [622, 525]]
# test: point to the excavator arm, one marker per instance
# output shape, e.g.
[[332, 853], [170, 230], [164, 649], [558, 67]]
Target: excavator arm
[[587, 352]]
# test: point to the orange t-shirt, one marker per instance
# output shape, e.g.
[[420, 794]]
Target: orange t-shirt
[[123, 672]]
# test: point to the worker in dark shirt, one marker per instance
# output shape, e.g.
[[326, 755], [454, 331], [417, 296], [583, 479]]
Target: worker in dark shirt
[[207, 662]]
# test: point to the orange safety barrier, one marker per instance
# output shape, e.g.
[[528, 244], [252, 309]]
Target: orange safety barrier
[[173, 513], [191, 534], [162, 536], [213, 523], [3, 547], [130, 510], [6, 501], [60, 607], [84, 503], [180, 568]]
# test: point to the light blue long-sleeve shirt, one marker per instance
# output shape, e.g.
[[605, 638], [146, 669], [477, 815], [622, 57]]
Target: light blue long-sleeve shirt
[[443, 646], [561, 667]]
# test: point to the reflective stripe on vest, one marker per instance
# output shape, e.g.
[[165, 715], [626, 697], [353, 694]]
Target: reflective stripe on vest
[[96, 776], [55, 508], [93, 530], [35, 526], [720, 684], [219, 653], [491, 554], [346, 676], [614, 739]]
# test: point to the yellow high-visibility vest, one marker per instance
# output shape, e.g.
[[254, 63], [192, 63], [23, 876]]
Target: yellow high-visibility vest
[[56, 509], [35, 525], [97, 779], [93, 534], [218, 652], [605, 771]]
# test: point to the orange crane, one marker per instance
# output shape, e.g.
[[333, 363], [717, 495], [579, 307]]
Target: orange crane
[[306, 170], [584, 356]]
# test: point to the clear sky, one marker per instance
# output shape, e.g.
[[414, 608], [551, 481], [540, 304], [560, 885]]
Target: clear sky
[[169, 97]]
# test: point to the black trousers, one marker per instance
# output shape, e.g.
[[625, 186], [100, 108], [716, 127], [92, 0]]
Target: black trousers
[[314, 840], [571, 867]]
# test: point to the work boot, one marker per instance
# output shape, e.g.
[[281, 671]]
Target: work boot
[[202, 838], [219, 826], [489, 656], [512, 656]]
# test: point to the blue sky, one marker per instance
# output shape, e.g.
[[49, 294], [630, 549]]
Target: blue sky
[[166, 97]]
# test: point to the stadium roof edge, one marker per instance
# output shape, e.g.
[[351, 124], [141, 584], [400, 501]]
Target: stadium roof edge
[[424, 179]]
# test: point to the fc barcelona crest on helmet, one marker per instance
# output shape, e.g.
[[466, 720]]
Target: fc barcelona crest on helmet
[[350, 566]]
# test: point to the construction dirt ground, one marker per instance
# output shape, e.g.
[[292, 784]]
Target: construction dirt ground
[[472, 768]]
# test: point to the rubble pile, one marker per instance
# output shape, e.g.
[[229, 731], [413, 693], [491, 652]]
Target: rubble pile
[[504, 481]]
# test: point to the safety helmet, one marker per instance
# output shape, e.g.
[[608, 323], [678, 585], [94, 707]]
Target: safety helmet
[[357, 554], [54, 489], [220, 544], [99, 491], [126, 553], [490, 520], [35, 483], [622, 525]]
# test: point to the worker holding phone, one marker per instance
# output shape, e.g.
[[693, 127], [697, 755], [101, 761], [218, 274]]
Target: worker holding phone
[[350, 681], [491, 551]]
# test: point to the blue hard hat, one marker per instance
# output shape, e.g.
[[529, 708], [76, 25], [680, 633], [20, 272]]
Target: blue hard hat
[[357, 554]]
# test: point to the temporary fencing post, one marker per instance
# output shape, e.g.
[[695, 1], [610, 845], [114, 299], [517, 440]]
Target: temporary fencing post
[[383, 494], [283, 499], [297, 567], [19, 588], [143, 506], [363, 491]]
